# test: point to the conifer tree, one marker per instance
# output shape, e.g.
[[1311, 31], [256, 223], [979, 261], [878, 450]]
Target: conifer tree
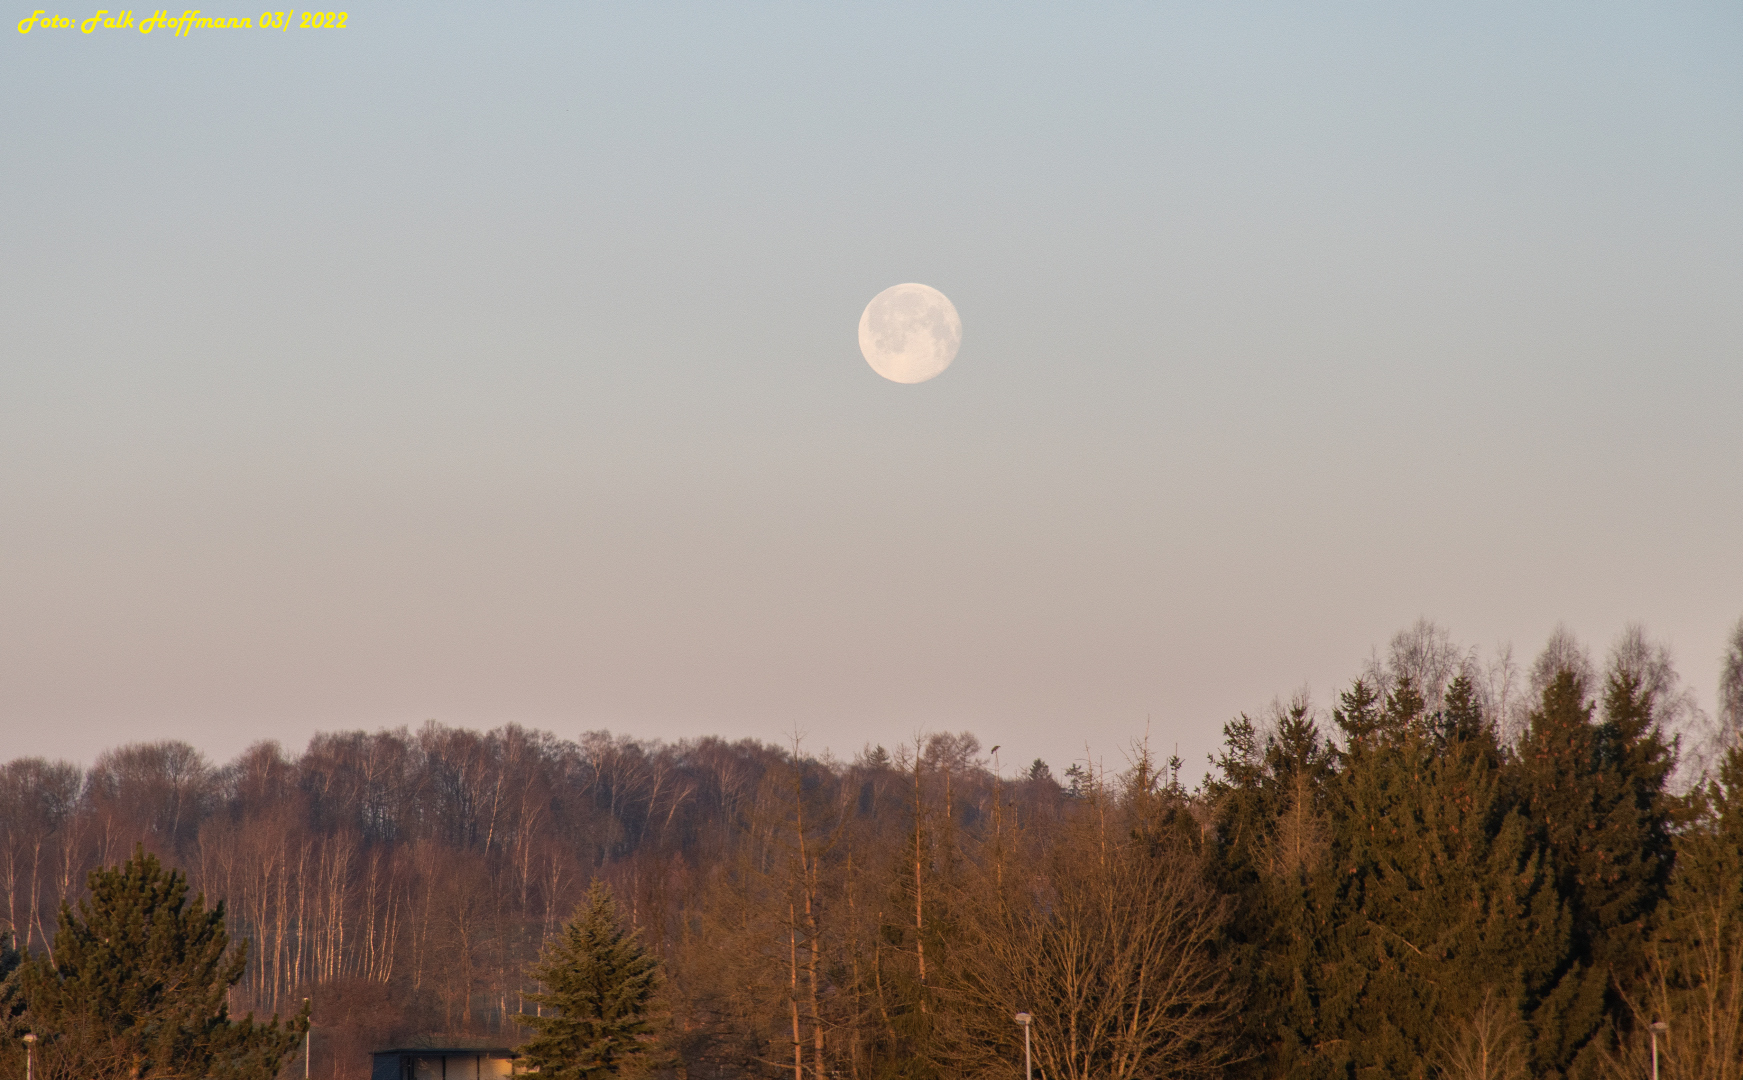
[[600, 986], [1445, 913], [1268, 852], [1635, 747], [1595, 793], [1461, 725], [1694, 957], [138, 987], [11, 1000], [1358, 715]]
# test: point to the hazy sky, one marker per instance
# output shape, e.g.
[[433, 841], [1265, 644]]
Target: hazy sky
[[498, 362]]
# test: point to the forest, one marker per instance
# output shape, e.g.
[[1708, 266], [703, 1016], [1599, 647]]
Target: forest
[[1457, 868]]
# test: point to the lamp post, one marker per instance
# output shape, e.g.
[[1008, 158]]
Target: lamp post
[[1023, 1018], [1657, 1026], [30, 1055]]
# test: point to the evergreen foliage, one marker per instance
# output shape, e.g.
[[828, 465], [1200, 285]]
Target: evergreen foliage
[[137, 987], [601, 986], [1421, 897], [1431, 879], [1597, 795], [11, 999], [1445, 905], [1693, 970], [1634, 746]]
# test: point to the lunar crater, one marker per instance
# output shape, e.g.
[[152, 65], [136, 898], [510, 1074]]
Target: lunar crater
[[910, 333]]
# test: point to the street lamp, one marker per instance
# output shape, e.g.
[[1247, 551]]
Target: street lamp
[[30, 1055], [1657, 1026], [1024, 1018]]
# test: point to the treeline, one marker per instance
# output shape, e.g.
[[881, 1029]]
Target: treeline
[[1461, 870]]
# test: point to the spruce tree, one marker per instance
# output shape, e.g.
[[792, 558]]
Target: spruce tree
[[1635, 747], [1444, 908], [1268, 853], [1595, 793], [600, 987], [138, 986], [1694, 957], [11, 1000], [1461, 726], [1297, 889]]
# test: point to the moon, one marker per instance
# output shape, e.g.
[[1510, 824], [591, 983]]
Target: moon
[[910, 333]]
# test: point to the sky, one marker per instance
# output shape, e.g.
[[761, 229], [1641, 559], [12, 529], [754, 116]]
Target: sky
[[494, 363]]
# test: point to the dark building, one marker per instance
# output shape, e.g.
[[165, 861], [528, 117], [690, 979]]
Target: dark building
[[444, 1063]]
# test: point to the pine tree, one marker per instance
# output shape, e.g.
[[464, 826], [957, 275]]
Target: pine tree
[[600, 987], [138, 987]]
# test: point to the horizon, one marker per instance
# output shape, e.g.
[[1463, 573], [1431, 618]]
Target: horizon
[[1506, 687]]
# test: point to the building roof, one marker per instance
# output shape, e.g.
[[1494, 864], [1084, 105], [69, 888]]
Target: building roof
[[431, 1051]]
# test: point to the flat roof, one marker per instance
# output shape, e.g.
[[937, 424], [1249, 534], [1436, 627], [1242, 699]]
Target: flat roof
[[503, 1051]]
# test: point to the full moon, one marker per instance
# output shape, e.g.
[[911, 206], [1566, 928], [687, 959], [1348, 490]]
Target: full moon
[[909, 333]]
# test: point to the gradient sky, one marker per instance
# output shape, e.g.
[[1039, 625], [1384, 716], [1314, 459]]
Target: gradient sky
[[493, 363]]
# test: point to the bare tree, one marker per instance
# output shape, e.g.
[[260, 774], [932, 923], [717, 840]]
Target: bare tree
[[1731, 686], [38, 800], [1563, 652], [1672, 706], [1489, 1044], [155, 793], [1424, 654], [1498, 684], [1110, 945], [1693, 978], [1696, 984]]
